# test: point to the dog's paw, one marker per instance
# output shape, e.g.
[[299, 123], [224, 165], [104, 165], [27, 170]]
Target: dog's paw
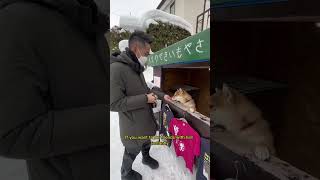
[[262, 153], [192, 110]]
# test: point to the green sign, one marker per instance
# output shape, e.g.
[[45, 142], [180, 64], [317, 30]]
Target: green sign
[[192, 49]]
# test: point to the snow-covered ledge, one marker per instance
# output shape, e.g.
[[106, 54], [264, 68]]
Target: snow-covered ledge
[[132, 23]]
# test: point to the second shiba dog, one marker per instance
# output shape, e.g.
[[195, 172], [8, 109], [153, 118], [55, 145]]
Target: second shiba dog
[[185, 98], [245, 130]]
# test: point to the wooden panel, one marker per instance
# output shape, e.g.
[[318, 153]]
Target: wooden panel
[[199, 78], [285, 52], [173, 77], [280, 9], [292, 10]]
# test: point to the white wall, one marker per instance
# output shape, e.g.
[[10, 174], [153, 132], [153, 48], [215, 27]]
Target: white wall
[[187, 9], [180, 11], [192, 9]]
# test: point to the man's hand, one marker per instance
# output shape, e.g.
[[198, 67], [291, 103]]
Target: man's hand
[[167, 98], [151, 98]]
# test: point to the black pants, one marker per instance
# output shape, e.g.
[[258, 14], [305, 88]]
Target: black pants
[[130, 155]]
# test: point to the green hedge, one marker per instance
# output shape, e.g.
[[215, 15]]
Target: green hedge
[[164, 35], [115, 36]]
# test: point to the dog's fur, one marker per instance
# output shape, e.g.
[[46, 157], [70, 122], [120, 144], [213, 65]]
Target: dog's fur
[[245, 129], [185, 98]]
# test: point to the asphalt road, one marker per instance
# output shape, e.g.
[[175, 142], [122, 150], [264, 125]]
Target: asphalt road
[[11, 169]]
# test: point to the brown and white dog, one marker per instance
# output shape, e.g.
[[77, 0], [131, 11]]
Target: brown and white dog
[[185, 98], [244, 129]]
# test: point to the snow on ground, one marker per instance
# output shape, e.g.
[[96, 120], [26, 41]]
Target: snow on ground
[[116, 147], [170, 166]]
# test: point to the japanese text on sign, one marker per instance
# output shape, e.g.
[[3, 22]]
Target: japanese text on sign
[[195, 47]]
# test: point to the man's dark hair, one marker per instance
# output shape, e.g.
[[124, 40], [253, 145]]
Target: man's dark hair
[[140, 37]]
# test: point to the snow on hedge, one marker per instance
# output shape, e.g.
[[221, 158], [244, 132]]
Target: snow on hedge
[[123, 45], [158, 15], [151, 17]]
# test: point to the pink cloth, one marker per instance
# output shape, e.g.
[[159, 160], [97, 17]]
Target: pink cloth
[[187, 148]]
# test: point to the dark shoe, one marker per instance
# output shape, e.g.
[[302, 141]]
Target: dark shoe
[[132, 175], [149, 161]]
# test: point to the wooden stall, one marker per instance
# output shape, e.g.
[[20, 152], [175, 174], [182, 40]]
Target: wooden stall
[[276, 65], [186, 65], [265, 10]]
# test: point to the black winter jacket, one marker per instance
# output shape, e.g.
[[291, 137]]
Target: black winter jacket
[[54, 88]]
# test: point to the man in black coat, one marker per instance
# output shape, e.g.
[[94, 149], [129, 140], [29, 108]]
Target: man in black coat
[[132, 99], [54, 88]]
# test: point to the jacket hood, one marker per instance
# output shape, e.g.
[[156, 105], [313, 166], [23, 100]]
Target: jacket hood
[[129, 58], [83, 13]]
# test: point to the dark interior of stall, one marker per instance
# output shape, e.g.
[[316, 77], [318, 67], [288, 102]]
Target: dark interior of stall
[[277, 66], [195, 80]]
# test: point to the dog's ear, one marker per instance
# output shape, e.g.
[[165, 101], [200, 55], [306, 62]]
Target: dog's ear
[[228, 93]]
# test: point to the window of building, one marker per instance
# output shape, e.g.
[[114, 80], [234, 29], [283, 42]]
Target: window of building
[[172, 8]]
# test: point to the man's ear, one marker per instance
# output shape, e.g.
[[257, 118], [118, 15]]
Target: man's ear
[[134, 48], [227, 93]]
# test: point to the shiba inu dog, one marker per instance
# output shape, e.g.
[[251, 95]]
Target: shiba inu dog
[[244, 129], [185, 98]]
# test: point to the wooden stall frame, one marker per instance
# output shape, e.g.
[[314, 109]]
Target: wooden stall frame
[[192, 52], [272, 169]]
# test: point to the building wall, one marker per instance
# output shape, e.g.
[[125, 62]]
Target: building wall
[[192, 10], [187, 9], [166, 6], [180, 11]]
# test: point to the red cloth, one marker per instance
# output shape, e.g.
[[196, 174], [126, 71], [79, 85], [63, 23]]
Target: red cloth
[[187, 148]]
